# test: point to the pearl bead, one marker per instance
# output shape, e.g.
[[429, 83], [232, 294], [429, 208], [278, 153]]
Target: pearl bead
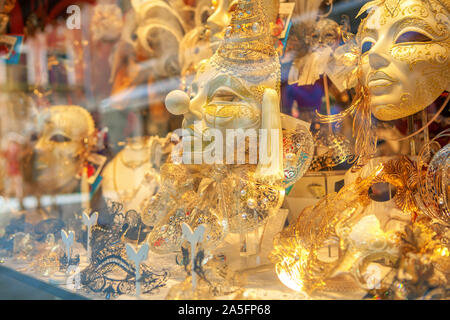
[[251, 203], [177, 102], [290, 156]]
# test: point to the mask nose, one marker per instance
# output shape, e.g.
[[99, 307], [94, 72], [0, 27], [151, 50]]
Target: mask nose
[[377, 61], [39, 145], [177, 102]]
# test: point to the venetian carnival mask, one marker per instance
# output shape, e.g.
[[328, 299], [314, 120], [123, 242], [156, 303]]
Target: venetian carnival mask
[[399, 65], [203, 10], [238, 87], [228, 101], [405, 49], [67, 136], [343, 218], [326, 33], [228, 89], [322, 38]]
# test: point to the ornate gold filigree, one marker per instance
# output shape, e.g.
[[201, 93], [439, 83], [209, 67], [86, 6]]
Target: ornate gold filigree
[[334, 219]]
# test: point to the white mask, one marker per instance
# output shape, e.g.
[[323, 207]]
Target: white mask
[[66, 137], [405, 51]]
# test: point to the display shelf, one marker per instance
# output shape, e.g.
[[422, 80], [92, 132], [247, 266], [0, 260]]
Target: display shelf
[[262, 284], [16, 285]]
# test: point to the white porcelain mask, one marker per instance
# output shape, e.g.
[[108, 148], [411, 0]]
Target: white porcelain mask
[[239, 86], [228, 101], [67, 136], [405, 48]]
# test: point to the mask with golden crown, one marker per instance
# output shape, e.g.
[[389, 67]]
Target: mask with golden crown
[[239, 86]]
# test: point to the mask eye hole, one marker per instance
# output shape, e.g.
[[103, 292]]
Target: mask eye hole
[[382, 191], [224, 95], [366, 46], [59, 138], [412, 36]]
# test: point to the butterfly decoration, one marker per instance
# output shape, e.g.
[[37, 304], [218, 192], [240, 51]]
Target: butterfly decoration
[[89, 222], [137, 257], [194, 238], [68, 240]]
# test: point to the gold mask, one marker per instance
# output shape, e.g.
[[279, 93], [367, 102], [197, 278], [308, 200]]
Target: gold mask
[[342, 217], [405, 49]]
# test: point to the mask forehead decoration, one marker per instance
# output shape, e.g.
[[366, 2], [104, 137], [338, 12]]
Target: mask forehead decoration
[[247, 51], [220, 18]]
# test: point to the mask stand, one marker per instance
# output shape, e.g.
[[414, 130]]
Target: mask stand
[[327, 99], [248, 247], [330, 128], [256, 245], [426, 132], [86, 206], [412, 141]]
